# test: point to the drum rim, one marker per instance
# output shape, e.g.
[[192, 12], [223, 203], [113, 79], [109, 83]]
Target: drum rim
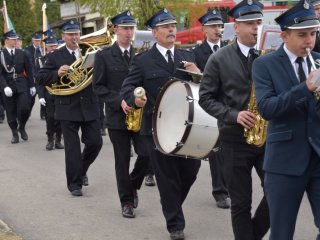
[[155, 116]]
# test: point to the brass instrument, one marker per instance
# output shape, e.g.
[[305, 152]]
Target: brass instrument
[[258, 133], [316, 82], [134, 118], [76, 78]]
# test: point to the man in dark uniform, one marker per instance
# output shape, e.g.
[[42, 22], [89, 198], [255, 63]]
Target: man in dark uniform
[[35, 51], [76, 111], [2, 110], [316, 5], [285, 97], [225, 92], [18, 86], [111, 67], [151, 70], [212, 24], [46, 99]]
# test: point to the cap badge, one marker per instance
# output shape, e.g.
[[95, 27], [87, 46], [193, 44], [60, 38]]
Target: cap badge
[[250, 2], [306, 5], [214, 12], [71, 22], [128, 13], [165, 10]]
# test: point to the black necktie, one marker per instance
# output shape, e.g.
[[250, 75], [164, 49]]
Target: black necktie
[[215, 48], [127, 56], [301, 74], [74, 56], [253, 54], [12, 55], [170, 61]]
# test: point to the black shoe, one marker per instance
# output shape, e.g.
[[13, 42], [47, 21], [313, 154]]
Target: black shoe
[[103, 132], [76, 192], [149, 181], [58, 145], [23, 134], [85, 180], [49, 145], [127, 211], [224, 203], [177, 235], [15, 137], [318, 238], [135, 198]]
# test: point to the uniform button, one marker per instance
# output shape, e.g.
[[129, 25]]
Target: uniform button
[[310, 139], [81, 98]]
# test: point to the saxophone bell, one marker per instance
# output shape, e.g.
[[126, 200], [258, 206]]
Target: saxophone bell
[[134, 118]]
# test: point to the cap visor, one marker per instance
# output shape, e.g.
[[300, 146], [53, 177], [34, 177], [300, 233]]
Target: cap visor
[[217, 22], [165, 22], [72, 31], [12, 38], [126, 24], [306, 24], [250, 17]]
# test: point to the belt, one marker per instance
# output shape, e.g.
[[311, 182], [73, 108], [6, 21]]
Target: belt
[[15, 75]]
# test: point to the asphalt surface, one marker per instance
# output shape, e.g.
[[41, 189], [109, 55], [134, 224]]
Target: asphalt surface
[[36, 205]]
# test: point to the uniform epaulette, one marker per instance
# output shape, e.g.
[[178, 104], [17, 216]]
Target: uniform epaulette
[[141, 53]]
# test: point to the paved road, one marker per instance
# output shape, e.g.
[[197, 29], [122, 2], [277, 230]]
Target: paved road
[[35, 203]]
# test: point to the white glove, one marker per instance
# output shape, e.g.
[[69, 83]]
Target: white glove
[[33, 91], [8, 91], [42, 101]]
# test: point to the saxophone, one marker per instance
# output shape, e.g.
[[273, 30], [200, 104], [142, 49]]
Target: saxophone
[[258, 133], [134, 118]]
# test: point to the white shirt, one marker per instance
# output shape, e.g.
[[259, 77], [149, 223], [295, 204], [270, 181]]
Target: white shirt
[[245, 49], [164, 50], [10, 49], [212, 44], [295, 65], [123, 49], [76, 52]]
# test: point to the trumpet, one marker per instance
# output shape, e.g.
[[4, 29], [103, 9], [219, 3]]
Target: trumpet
[[315, 81]]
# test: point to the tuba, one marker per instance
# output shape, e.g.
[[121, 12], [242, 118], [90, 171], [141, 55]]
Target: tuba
[[134, 118], [79, 77]]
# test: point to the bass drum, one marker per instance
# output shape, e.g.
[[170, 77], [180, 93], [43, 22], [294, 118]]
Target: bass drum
[[180, 126]]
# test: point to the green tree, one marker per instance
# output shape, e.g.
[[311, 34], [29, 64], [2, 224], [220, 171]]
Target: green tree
[[22, 17], [141, 9]]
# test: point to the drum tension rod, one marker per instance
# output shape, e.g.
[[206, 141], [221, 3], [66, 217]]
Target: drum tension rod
[[187, 123], [189, 99]]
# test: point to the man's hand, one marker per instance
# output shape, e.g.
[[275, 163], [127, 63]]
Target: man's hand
[[125, 107], [140, 102], [62, 70], [42, 101], [33, 91], [190, 66], [246, 119], [8, 91]]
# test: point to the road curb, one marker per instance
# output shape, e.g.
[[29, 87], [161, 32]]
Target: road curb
[[6, 233]]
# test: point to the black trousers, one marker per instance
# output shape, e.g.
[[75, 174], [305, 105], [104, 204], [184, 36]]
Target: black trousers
[[2, 109], [127, 183], [239, 160], [219, 188], [53, 126], [17, 109], [175, 176], [77, 162]]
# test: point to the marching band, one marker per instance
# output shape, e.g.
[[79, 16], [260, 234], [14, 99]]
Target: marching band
[[203, 103]]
